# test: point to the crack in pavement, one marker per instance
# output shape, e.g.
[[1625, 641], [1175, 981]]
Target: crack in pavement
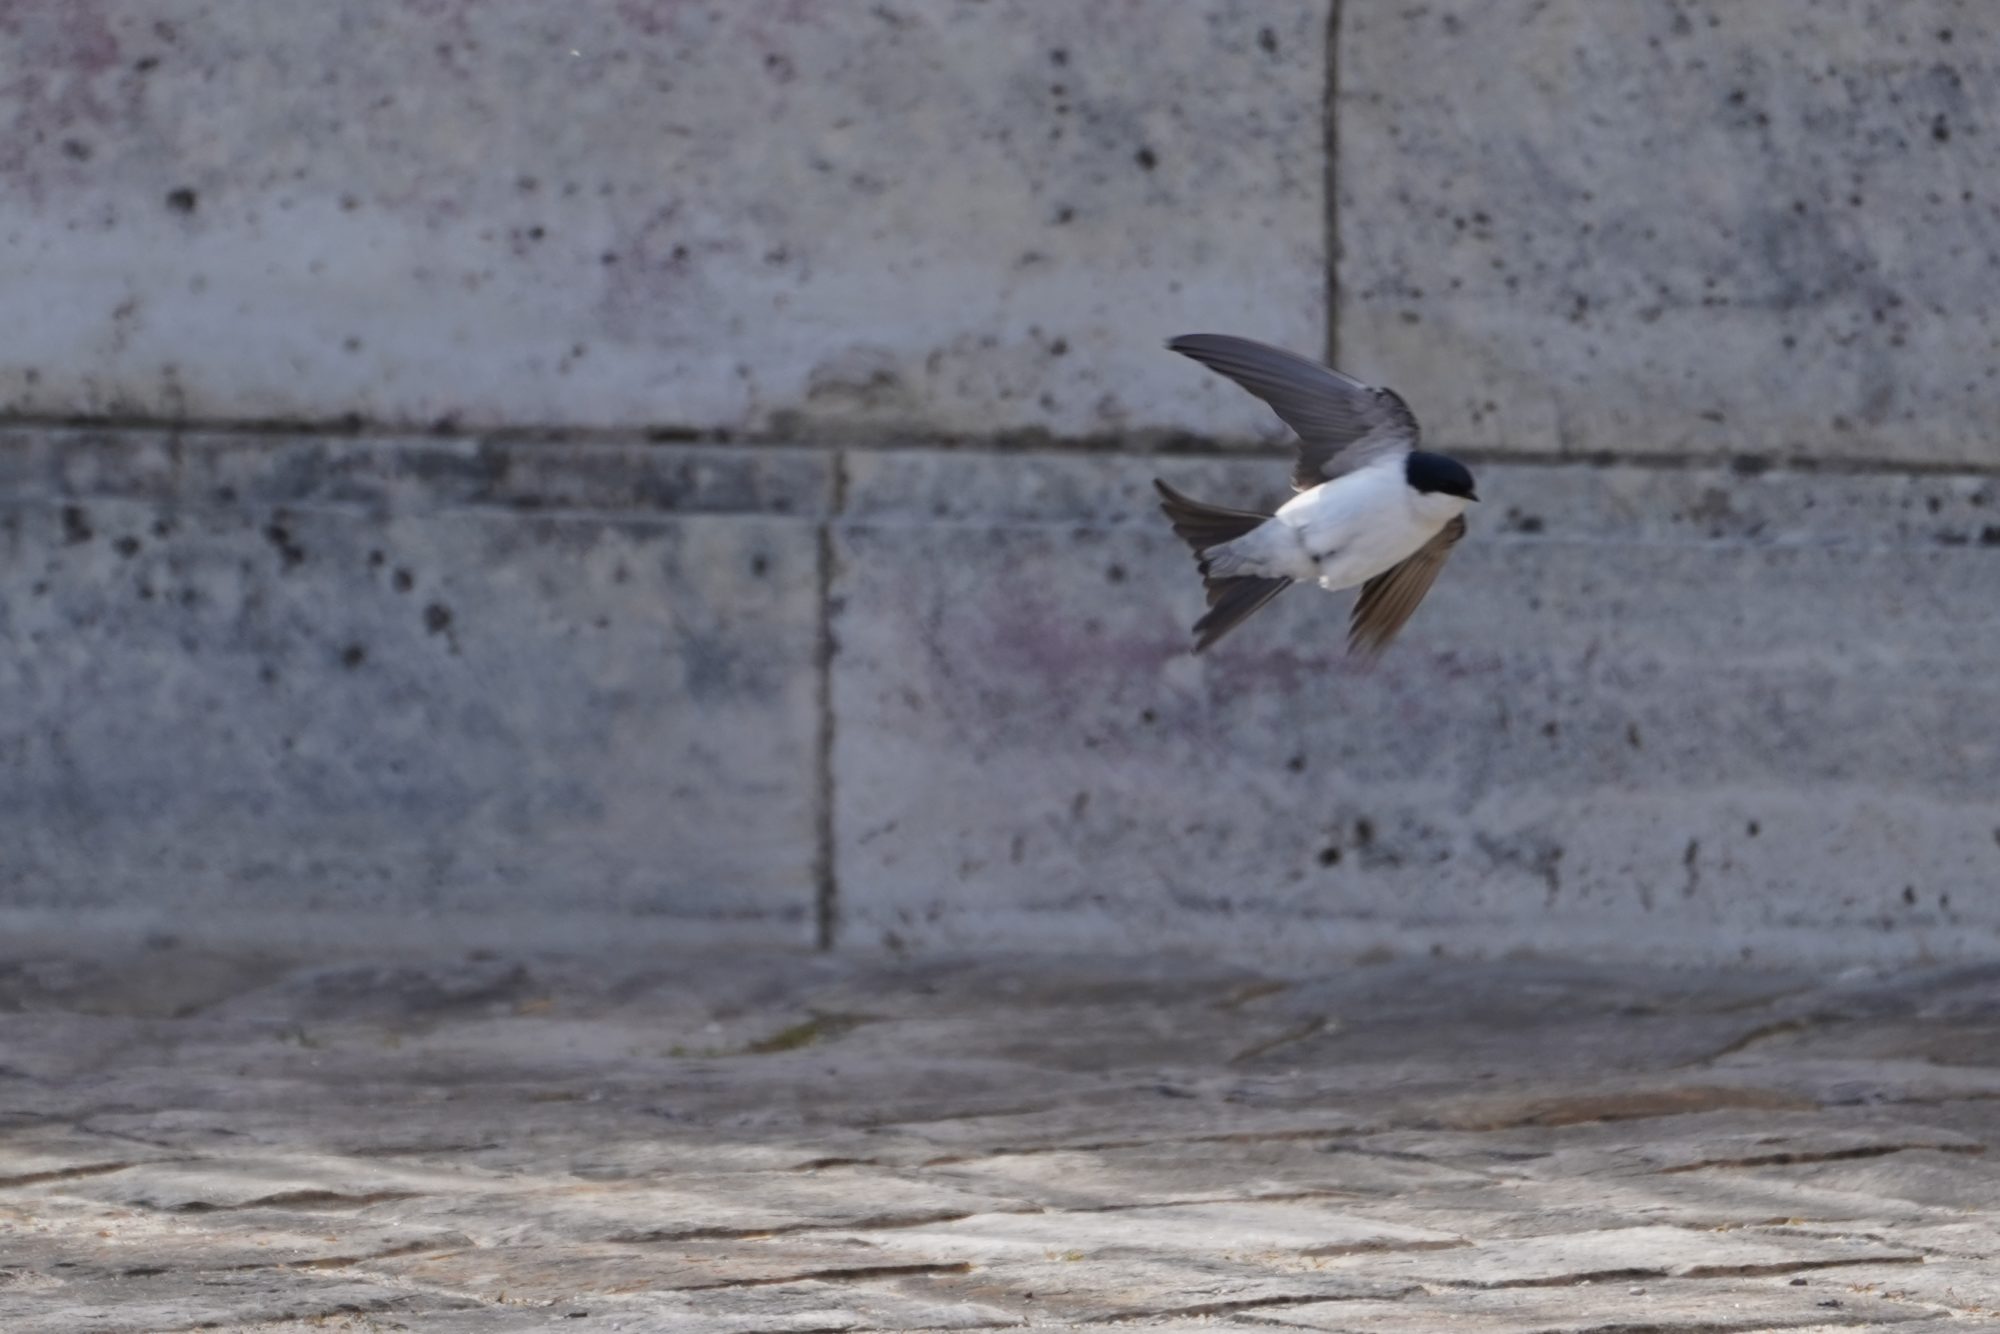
[[67, 1174], [1788, 1157], [1155, 1142], [1764, 1032], [1632, 1273], [1231, 1307], [296, 1199], [889, 1223], [851, 1274], [1312, 1027]]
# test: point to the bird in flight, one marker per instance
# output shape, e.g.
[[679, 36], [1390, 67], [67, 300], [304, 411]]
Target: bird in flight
[[1372, 509]]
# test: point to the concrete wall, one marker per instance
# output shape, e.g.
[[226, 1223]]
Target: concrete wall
[[680, 470]]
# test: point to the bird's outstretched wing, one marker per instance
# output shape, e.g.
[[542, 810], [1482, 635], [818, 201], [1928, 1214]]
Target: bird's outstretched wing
[[1342, 424], [1387, 600]]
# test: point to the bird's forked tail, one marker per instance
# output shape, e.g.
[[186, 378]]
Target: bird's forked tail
[[1231, 598]]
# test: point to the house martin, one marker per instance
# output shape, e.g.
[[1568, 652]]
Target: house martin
[[1372, 509]]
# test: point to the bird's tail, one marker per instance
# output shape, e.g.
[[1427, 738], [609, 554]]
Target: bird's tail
[[1231, 599]]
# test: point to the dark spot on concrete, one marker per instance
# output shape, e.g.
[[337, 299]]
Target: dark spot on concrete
[[402, 580], [1941, 130], [619, 574], [127, 546], [536, 233], [1753, 829], [291, 553], [1268, 40], [76, 149], [437, 618], [375, 559], [267, 674], [760, 565], [1064, 214], [1329, 855], [1297, 764], [1632, 736], [1364, 832], [1749, 465], [182, 200], [1989, 536], [1059, 56], [607, 259], [1146, 158], [76, 525], [146, 64], [1551, 729], [353, 656], [1148, 717], [1910, 894], [1114, 574], [1059, 348]]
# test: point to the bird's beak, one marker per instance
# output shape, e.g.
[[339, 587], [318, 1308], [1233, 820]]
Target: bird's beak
[[1472, 496]]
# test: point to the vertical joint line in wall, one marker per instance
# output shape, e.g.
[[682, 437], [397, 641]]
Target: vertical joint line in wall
[[826, 883], [1330, 128]]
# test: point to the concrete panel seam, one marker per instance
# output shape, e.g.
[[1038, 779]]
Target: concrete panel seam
[[1134, 444], [1330, 129], [826, 886]]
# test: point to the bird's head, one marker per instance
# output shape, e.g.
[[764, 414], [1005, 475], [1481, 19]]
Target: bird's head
[[1438, 474]]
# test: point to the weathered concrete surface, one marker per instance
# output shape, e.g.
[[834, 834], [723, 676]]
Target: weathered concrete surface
[[361, 685], [797, 1142], [1698, 226], [1645, 712], [960, 216], [347, 688]]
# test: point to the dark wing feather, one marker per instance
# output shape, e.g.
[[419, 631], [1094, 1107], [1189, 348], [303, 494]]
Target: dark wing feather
[[1232, 602], [1342, 423], [1387, 600]]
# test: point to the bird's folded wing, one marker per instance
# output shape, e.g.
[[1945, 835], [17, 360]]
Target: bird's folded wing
[[1342, 423], [1387, 600]]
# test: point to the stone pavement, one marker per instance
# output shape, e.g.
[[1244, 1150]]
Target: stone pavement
[[799, 1142]]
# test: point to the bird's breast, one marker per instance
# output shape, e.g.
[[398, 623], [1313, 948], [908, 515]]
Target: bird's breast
[[1355, 527]]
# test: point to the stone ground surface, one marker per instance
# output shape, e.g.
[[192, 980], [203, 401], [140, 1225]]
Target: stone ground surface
[[801, 1142]]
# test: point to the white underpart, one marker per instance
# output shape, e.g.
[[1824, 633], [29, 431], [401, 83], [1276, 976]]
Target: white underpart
[[1341, 533]]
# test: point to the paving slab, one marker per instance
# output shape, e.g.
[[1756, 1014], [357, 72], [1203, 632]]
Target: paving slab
[[976, 1142]]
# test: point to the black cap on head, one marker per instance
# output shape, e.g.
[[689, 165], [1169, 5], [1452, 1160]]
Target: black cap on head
[[1438, 473]]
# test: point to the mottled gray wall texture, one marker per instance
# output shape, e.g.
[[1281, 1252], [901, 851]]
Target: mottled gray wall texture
[[491, 470]]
